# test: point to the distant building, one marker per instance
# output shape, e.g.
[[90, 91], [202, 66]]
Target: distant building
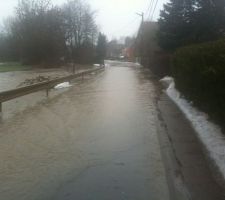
[[129, 53], [114, 50]]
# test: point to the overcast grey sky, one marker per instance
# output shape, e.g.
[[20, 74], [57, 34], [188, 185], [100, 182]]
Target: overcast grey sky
[[115, 18]]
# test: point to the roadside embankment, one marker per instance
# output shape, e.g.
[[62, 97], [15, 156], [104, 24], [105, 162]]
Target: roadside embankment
[[208, 133]]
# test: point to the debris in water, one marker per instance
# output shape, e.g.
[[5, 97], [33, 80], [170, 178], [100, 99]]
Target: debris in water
[[63, 85]]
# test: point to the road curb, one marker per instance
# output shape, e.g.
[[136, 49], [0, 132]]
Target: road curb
[[186, 150], [215, 168]]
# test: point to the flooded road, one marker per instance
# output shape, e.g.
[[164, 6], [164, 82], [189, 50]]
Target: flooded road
[[98, 140]]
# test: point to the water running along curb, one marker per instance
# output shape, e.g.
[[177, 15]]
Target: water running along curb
[[188, 171]]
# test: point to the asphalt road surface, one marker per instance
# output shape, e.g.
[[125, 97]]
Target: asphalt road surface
[[96, 141]]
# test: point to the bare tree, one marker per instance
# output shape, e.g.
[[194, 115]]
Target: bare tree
[[43, 33], [81, 30]]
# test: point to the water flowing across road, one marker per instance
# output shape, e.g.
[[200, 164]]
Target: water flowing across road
[[98, 140]]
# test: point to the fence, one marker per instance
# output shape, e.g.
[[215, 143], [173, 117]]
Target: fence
[[47, 85]]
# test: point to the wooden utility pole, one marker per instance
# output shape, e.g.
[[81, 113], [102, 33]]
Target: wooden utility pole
[[142, 35]]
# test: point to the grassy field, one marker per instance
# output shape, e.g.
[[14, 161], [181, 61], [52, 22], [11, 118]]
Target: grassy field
[[13, 66]]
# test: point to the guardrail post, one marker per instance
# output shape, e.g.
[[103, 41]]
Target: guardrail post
[[74, 69], [1, 115], [47, 92]]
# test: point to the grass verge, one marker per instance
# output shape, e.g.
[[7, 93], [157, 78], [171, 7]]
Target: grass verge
[[13, 66]]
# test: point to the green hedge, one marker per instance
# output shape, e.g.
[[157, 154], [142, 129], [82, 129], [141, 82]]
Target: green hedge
[[199, 72]]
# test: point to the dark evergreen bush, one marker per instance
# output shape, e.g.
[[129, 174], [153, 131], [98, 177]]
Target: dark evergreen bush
[[199, 72]]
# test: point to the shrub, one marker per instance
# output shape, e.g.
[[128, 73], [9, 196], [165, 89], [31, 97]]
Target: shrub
[[161, 64], [199, 72]]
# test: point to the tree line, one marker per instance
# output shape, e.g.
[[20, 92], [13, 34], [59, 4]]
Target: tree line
[[40, 32], [192, 33], [184, 22]]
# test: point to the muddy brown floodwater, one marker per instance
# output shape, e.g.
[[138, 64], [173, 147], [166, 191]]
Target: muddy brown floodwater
[[97, 140]]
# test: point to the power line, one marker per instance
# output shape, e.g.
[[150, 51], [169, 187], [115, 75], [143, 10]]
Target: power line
[[126, 26], [150, 13], [154, 9], [150, 10]]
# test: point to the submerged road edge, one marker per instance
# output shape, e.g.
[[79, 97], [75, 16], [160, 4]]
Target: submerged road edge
[[188, 172]]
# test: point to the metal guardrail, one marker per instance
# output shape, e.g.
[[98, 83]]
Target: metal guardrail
[[47, 85]]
